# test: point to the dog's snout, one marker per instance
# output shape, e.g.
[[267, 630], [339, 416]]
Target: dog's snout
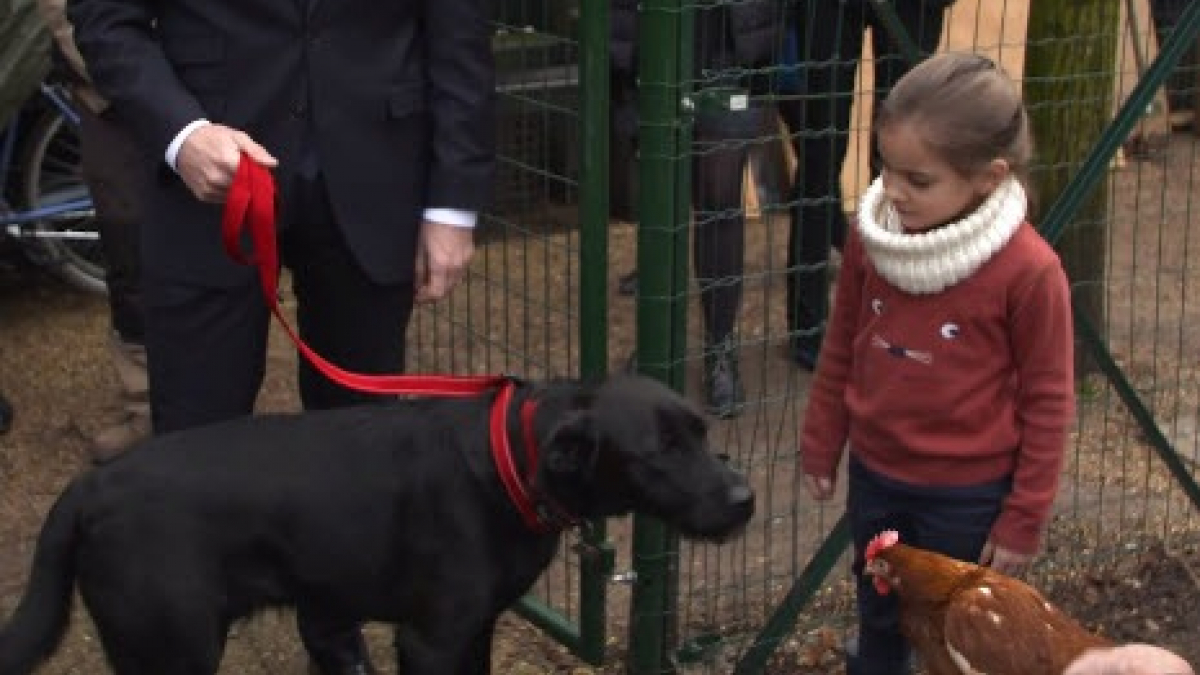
[[740, 496]]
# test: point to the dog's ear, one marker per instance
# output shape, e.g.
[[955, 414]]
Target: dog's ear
[[570, 443]]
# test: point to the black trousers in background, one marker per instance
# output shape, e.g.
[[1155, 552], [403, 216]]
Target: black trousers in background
[[117, 176], [207, 352], [830, 36], [721, 145]]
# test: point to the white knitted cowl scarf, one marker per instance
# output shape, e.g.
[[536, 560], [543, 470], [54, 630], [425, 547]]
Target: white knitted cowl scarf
[[929, 262]]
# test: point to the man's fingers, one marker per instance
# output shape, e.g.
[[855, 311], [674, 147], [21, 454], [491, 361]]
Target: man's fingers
[[445, 251], [435, 287], [255, 151], [209, 158]]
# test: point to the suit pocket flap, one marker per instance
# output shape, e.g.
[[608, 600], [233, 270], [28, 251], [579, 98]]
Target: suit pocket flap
[[195, 50], [404, 101]]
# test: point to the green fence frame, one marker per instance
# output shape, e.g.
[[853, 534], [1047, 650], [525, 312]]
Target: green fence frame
[[665, 106], [663, 267]]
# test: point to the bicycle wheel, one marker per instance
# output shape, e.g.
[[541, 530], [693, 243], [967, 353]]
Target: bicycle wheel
[[51, 170]]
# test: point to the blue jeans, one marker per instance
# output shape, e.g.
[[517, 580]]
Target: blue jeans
[[954, 521]]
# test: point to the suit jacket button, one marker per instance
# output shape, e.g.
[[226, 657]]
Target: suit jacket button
[[299, 109]]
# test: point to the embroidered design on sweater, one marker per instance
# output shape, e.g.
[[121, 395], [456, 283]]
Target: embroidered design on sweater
[[901, 352]]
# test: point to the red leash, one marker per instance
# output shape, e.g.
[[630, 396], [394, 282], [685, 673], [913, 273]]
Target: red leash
[[250, 205]]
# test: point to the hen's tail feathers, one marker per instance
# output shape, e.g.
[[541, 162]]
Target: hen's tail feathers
[[38, 624]]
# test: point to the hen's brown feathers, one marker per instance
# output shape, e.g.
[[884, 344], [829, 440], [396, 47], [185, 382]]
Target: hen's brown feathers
[[963, 618]]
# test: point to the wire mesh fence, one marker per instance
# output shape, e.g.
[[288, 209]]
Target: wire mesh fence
[[731, 174]]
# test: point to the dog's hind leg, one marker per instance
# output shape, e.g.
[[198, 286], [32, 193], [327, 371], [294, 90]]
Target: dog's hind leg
[[451, 652], [178, 650], [149, 635]]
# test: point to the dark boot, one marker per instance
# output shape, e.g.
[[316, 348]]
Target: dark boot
[[723, 390]]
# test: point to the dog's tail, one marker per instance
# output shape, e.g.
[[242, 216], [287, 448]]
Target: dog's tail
[[38, 624]]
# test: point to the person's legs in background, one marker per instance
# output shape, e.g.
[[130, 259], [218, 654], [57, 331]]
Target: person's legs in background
[[622, 164], [830, 36], [721, 150], [922, 20], [116, 177]]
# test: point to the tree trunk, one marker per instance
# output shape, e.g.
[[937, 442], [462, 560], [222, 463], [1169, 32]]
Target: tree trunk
[[1070, 68]]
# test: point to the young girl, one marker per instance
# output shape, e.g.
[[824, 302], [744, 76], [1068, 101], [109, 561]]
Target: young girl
[[947, 371]]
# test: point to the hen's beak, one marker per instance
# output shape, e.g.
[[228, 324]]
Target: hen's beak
[[878, 571]]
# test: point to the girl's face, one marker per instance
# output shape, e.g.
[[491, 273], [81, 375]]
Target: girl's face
[[925, 190]]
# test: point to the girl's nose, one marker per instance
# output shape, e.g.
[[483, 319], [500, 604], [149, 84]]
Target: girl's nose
[[891, 190]]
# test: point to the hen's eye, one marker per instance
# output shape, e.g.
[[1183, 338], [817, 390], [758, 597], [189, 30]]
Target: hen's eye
[[950, 331]]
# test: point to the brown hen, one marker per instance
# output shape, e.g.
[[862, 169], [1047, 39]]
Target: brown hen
[[963, 619]]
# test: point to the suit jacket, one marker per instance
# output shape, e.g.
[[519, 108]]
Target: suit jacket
[[396, 98]]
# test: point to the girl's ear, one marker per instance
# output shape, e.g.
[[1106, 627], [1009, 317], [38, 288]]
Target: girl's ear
[[993, 175]]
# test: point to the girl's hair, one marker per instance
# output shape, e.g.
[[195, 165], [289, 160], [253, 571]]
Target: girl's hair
[[967, 109]]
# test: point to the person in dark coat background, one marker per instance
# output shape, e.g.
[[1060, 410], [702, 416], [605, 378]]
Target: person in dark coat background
[[378, 120], [829, 39], [729, 39]]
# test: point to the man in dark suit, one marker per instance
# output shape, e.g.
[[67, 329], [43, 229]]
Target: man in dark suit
[[377, 118]]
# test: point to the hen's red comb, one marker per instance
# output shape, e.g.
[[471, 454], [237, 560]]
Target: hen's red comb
[[881, 541]]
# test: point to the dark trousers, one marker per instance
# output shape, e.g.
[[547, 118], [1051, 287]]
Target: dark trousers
[[207, 351], [117, 176], [720, 152], [830, 40], [954, 521], [721, 145]]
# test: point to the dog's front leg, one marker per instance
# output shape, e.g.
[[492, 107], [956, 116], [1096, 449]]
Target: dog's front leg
[[422, 649]]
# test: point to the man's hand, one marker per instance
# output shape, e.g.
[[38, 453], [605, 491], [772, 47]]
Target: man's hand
[[209, 157], [443, 253], [1003, 560]]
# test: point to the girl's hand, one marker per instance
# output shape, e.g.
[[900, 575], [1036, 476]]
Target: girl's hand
[[1003, 560], [820, 488]]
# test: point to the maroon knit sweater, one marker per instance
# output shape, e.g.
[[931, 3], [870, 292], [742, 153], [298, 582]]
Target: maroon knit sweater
[[955, 388]]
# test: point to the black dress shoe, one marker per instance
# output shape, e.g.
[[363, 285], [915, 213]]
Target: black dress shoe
[[722, 383]]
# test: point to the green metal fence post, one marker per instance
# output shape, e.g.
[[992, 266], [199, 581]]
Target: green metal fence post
[[662, 263], [593, 288], [783, 620]]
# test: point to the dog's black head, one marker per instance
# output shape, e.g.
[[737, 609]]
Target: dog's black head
[[632, 444]]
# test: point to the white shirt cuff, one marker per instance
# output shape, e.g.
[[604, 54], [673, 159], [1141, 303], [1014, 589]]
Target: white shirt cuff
[[173, 148], [455, 217]]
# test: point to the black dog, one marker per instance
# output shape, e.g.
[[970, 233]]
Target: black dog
[[393, 512]]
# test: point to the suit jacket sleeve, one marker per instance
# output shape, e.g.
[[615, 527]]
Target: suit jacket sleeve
[[460, 85], [127, 64]]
